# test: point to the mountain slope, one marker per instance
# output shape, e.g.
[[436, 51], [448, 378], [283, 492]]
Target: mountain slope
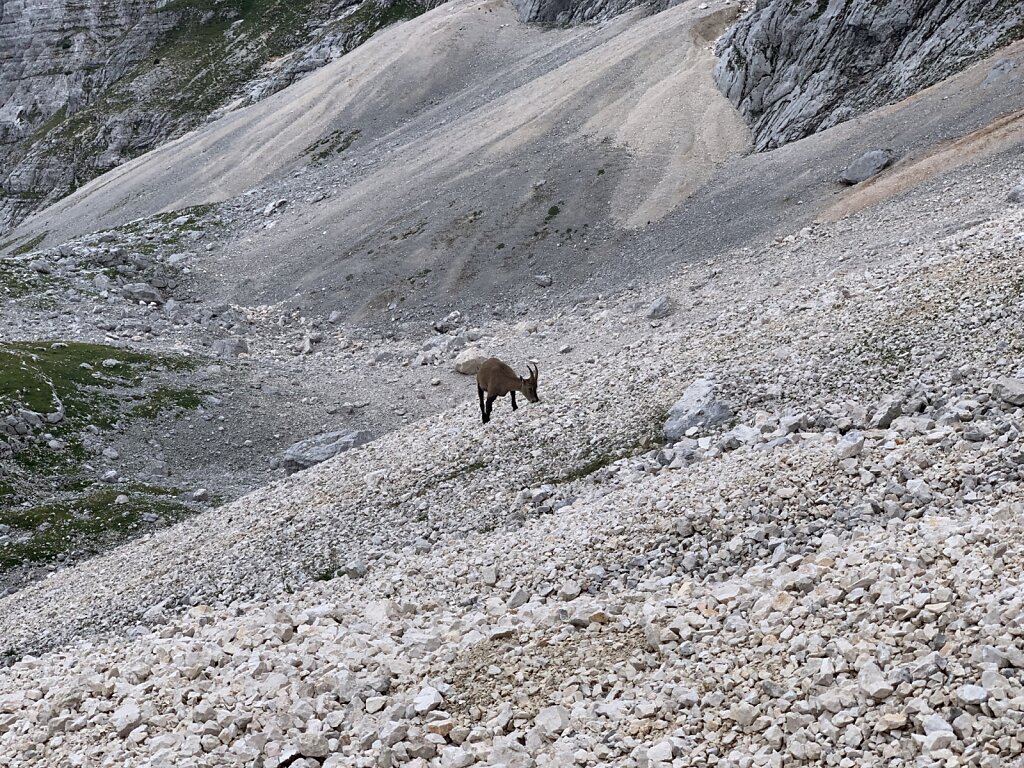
[[85, 87], [520, 593], [593, 128]]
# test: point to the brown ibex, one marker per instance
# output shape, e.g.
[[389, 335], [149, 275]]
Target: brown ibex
[[497, 380]]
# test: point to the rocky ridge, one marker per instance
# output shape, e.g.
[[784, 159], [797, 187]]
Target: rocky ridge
[[832, 576], [794, 68]]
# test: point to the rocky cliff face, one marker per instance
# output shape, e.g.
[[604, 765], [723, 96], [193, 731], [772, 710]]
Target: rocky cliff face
[[56, 56], [794, 67], [85, 86]]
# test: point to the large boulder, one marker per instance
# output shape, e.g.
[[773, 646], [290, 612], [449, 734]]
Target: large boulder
[[306, 453], [142, 292], [867, 165], [469, 361], [698, 407], [230, 347], [1009, 390], [661, 308], [1017, 193]]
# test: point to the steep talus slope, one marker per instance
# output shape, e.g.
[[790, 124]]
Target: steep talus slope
[[843, 557], [86, 86], [794, 67], [453, 465], [522, 144]]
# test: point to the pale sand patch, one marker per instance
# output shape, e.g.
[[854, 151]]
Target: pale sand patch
[[676, 122]]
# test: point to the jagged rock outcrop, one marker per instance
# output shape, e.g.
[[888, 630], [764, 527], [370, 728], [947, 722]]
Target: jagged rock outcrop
[[57, 57], [795, 67]]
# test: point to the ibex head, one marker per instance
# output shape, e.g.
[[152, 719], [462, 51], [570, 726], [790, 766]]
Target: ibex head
[[529, 389]]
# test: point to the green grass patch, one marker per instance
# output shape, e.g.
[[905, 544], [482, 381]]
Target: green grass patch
[[86, 525], [54, 120], [17, 280], [1011, 35], [45, 376], [8, 243], [41, 375], [326, 574], [650, 436], [585, 470], [164, 399], [29, 245], [162, 221]]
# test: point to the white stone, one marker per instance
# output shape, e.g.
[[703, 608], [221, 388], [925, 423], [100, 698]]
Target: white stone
[[662, 752], [469, 360], [850, 445], [972, 694], [935, 724], [552, 720], [126, 718], [873, 683], [743, 713], [427, 700]]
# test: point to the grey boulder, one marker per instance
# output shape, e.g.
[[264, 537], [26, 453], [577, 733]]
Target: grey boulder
[[850, 445], [867, 165], [232, 347], [1009, 390], [660, 308], [320, 448], [142, 292], [469, 361], [698, 407]]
